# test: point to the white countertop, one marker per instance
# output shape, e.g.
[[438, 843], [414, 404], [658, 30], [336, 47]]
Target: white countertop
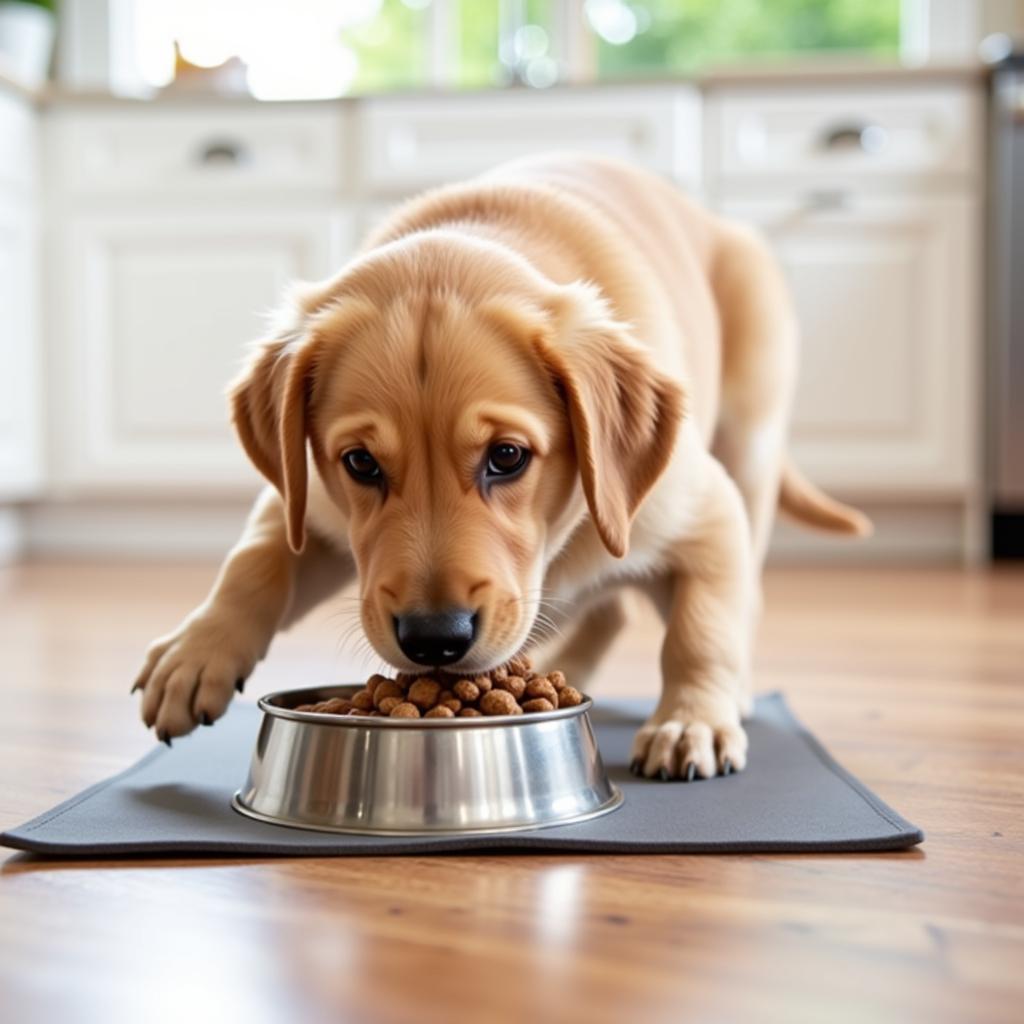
[[803, 71]]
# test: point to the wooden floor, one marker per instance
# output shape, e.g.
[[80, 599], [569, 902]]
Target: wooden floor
[[914, 679]]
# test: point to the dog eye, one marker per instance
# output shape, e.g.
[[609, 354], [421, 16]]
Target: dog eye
[[362, 466], [506, 459]]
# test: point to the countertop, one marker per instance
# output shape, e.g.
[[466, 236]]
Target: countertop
[[819, 71]]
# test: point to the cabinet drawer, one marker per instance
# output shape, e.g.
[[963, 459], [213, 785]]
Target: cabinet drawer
[[409, 144], [225, 149], [863, 134]]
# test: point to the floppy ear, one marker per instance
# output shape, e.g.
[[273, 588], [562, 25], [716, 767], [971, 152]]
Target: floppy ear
[[624, 413], [269, 405]]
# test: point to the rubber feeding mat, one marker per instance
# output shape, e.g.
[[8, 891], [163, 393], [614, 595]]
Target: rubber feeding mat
[[793, 797]]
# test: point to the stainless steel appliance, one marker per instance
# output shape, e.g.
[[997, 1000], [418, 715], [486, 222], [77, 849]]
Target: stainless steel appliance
[[1006, 311]]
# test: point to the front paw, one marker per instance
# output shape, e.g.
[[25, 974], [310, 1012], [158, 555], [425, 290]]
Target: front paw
[[189, 676], [689, 743]]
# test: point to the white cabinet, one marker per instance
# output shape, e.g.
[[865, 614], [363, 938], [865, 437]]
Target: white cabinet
[[20, 450], [158, 313], [175, 229], [886, 299], [406, 144]]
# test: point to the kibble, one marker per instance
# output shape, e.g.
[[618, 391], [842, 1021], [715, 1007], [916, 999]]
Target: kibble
[[516, 685], [466, 690], [424, 693], [388, 704], [440, 711], [387, 690], [499, 702], [538, 704], [569, 697], [362, 700], [541, 688], [405, 710], [511, 689]]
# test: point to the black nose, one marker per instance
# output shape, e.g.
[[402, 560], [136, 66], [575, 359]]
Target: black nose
[[439, 638]]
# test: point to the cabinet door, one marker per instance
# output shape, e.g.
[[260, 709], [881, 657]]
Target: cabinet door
[[887, 302], [156, 323], [20, 462]]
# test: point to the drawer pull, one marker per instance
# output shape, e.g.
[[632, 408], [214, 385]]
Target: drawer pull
[[223, 152], [868, 138]]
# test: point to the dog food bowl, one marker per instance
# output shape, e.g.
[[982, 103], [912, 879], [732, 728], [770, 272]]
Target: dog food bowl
[[422, 776]]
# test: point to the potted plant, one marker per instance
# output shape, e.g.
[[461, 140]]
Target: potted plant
[[27, 28]]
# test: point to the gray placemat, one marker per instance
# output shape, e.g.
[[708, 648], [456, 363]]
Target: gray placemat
[[792, 797]]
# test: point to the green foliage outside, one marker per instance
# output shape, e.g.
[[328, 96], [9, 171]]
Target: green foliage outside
[[685, 35], [681, 36]]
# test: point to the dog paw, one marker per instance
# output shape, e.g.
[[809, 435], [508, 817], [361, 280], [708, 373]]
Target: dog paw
[[189, 676], [689, 744]]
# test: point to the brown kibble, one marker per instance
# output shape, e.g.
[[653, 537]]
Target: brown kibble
[[404, 710], [501, 672], [440, 712], [360, 713], [569, 697], [453, 704], [374, 681], [556, 679], [540, 687], [467, 690], [405, 680], [388, 704], [516, 685], [499, 702], [304, 707], [385, 690], [484, 683], [538, 704], [424, 693], [470, 713], [363, 700], [519, 665]]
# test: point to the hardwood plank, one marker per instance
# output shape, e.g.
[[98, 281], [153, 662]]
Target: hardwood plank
[[911, 677]]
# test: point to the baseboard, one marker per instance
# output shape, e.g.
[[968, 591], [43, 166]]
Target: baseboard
[[920, 532], [133, 529], [12, 534]]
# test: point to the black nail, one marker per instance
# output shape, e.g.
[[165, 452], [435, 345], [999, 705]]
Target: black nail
[[636, 766], [165, 738], [136, 686], [727, 767], [204, 719], [663, 774], [691, 772], [240, 685]]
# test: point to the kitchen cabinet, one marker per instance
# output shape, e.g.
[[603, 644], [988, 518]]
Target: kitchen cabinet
[[21, 466], [158, 315], [886, 300]]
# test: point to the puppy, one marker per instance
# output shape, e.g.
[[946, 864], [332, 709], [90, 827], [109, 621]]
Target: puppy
[[529, 391]]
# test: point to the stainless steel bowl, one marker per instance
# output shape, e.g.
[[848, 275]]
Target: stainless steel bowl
[[388, 776]]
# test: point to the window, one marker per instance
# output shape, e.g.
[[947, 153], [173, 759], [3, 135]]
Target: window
[[322, 48]]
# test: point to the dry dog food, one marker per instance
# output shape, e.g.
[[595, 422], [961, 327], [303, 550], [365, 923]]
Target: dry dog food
[[512, 689]]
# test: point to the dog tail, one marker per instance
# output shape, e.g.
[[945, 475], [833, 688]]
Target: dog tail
[[805, 502]]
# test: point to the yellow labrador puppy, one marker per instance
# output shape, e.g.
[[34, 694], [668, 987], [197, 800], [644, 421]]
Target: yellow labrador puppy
[[528, 392]]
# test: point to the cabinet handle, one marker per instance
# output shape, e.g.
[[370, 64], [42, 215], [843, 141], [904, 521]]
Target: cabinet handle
[[868, 138], [223, 151], [821, 199]]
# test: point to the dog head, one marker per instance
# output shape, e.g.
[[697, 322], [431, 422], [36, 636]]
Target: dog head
[[464, 415]]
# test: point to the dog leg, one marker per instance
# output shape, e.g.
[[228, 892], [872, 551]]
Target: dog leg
[[581, 653], [190, 675], [759, 365], [705, 660]]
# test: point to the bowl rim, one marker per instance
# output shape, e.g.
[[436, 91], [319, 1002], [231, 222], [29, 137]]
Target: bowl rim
[[268, 707]]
